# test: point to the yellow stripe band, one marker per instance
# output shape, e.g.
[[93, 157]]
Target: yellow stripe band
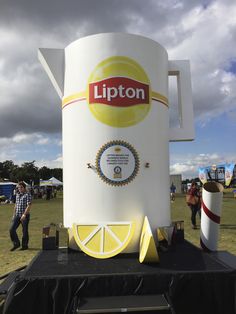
[[158, 97], [73, 98], [82, 96]]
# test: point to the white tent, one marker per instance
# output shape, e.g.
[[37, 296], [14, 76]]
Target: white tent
[[51, 182], [55, 181], [7, 183]]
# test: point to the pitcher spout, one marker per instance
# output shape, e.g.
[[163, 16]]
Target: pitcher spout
[[53, 62]]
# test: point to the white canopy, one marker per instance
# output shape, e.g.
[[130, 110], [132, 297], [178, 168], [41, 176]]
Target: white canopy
[[55, 181], [8, 183], [52, 182]]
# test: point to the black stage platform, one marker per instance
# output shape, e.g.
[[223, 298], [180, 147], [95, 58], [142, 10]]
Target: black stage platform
[[56, 282]]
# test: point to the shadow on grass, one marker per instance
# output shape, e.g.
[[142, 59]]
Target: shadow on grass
[[227, 226], [34, 249]]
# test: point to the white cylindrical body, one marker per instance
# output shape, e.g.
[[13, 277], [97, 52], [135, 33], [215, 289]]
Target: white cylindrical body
[[86, 196], [212, 194], [115, 113]]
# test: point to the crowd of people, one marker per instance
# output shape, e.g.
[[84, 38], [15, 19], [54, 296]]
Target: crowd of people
[[37, 192]]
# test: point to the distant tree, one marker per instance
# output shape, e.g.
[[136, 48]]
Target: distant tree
[[45, 173], [57, 173], [1, 171], [186, 181], [28, 172], [8, 170]]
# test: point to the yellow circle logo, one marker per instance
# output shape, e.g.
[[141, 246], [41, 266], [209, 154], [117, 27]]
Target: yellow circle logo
[[118, 92]]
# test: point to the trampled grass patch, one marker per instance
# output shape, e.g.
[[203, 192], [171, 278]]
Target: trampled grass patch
[[46, 212]]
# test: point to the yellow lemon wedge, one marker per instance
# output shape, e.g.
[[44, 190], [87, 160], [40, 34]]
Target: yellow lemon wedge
[[162, 234], [148, 252], [103, 239], [71, 240]]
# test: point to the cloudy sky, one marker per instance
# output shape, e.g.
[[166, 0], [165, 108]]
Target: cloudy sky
[[199, 30]]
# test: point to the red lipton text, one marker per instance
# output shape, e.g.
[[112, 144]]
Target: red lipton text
[[118, 91]]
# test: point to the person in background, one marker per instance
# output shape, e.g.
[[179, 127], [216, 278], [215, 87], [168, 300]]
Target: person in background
[[172, 192], [21, 215], [194, 203], [13, 197], [48, 193]]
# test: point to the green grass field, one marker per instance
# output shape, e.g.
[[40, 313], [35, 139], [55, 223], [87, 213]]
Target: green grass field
[[227, 235], [45, 212]]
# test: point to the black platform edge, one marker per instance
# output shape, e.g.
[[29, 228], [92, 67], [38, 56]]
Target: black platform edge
[[8, 282], [6, 285], [214, 288], [225, 258], [18, 269], [123, 304]]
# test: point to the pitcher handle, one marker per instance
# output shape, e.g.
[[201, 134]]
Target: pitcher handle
[[181, 69]]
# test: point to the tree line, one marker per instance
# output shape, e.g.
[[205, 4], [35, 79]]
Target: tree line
[[27, 172]]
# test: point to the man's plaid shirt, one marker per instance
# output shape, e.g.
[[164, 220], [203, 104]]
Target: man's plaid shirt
[[22, 201]]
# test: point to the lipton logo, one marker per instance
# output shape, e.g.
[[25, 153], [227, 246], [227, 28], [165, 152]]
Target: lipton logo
[[118, 92]]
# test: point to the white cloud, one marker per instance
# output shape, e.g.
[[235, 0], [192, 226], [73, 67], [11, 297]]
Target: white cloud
[[50, 163], [7, 155], [58, 142], [24, 147], [202, 31], [210, 45], [24, 138], [43, 141], [188, 165]]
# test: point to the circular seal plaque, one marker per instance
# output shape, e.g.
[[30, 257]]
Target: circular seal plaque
[[117, 163]]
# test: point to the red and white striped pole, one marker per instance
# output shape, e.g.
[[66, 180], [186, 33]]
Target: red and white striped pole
[[212, 193]]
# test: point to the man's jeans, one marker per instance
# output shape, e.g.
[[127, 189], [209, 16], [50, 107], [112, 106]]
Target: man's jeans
[[25, 234]]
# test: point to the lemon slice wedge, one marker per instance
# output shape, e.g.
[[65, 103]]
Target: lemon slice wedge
[[148, 252], [71, 240], [104, 239]]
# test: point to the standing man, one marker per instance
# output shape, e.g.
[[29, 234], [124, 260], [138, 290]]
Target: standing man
[[21, 216]]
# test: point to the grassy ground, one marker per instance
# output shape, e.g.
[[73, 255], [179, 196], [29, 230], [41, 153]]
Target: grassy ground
[[45, 212], [227, 235]]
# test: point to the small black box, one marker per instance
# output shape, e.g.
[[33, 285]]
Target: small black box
[[50, 237], [178, 231]]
